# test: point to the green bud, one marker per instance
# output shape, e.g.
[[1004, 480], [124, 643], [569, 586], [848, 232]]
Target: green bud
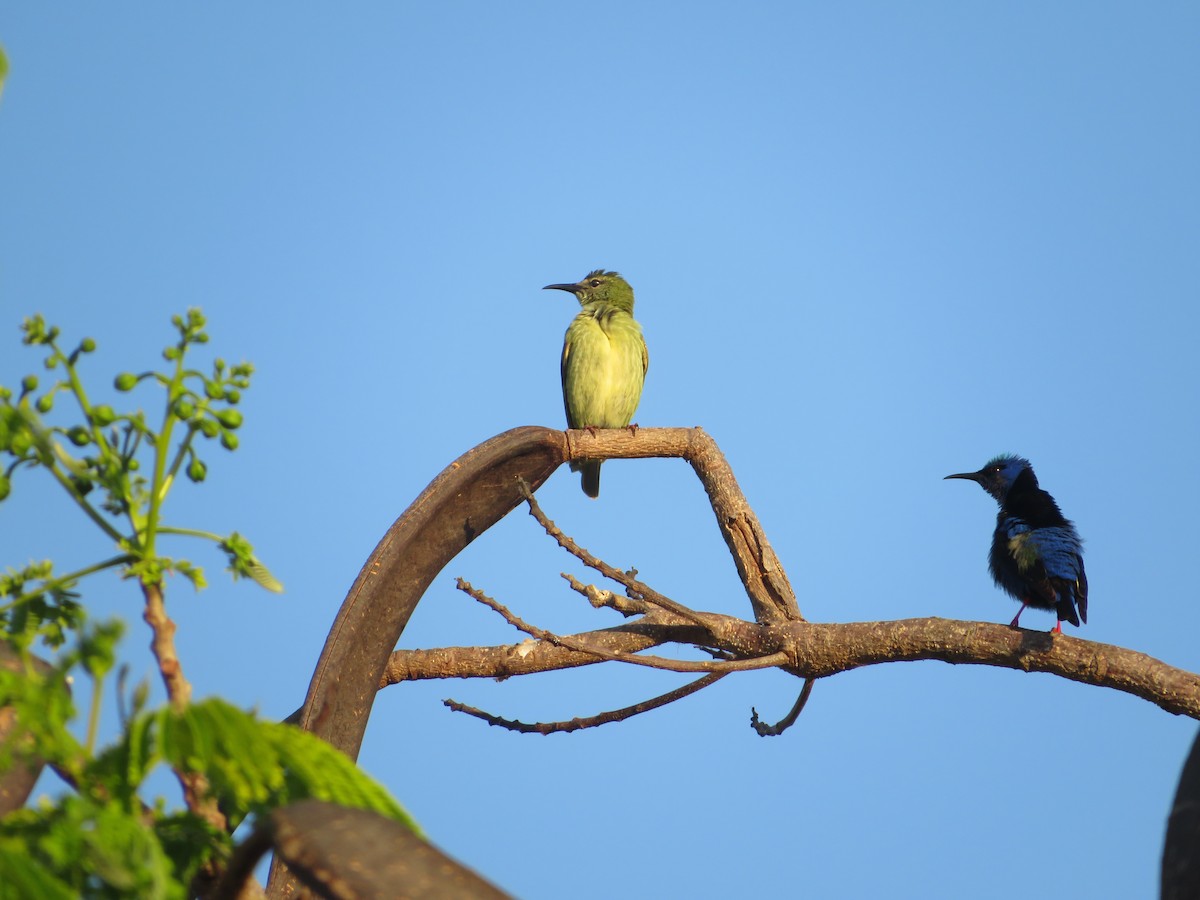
[[229, 440], [171, 354], [80, 436], [29, 383], [213, 390], [209, 428], [87, 345], [197, 470], [21, 442], [133, 465], [126, 381], [51, 362], [185, 408], [230, 418], [5, 486], [35, 329], [83, 486], [5, 393], [233, 396], [45, 403], [103, 415]]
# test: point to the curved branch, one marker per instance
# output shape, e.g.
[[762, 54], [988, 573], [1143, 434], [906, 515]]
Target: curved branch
[[467, 498], [766, 583]]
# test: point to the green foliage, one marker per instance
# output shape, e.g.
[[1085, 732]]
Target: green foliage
[[38, 604], [117, 466], [81, 847], [103, 839], [251, 766]]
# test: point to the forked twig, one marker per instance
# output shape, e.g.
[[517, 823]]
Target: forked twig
[[639, 589], [723, 666]]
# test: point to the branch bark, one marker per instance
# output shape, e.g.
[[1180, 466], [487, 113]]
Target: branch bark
[[819, 650]]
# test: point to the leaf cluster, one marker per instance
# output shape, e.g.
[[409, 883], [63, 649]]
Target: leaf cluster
[[117, 465], [102, 840]]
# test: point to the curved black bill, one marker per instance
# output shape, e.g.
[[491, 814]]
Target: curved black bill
[[969, 476]]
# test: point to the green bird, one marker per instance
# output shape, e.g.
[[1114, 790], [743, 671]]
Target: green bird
[[604, 361]]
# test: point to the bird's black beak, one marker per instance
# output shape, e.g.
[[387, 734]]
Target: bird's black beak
[[977, 477], [569, 288]]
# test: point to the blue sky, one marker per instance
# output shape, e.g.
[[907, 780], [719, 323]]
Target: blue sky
[[872, 245]]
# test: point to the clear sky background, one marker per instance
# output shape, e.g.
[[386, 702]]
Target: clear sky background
[[872, 244]]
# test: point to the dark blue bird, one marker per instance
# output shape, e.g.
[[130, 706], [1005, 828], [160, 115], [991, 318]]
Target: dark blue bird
[[1037, 556]]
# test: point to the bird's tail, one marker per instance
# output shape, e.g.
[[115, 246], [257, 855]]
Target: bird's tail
[[591, 476], [1066, 608]]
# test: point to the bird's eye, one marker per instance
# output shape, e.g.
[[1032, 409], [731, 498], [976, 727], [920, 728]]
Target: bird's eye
[[595, 282]]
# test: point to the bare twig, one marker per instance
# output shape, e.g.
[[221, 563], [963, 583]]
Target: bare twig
[[639, 589], [652, 662], [762, 574], [508, 615], [598, 597], [576, 724], [765, 730]]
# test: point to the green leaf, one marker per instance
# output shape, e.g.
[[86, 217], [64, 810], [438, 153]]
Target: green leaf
[[192, 573], [94, 848], [25, 876], [254, 767], [263, 578], [243, 563]]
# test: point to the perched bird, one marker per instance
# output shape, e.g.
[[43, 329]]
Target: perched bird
[[604, 361], [1037, 556]]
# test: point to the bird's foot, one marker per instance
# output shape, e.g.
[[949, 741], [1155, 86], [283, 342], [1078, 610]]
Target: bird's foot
[[633, 429], [591, 429], [1057, 629], [1017, 617]]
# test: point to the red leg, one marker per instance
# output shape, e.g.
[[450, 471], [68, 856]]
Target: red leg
[[1057, 627]]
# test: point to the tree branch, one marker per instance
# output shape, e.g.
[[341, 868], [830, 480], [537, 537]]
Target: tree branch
[[765, 730], [818, 650], [162, 643], [762, 574], [179, 692], [604, 718]]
